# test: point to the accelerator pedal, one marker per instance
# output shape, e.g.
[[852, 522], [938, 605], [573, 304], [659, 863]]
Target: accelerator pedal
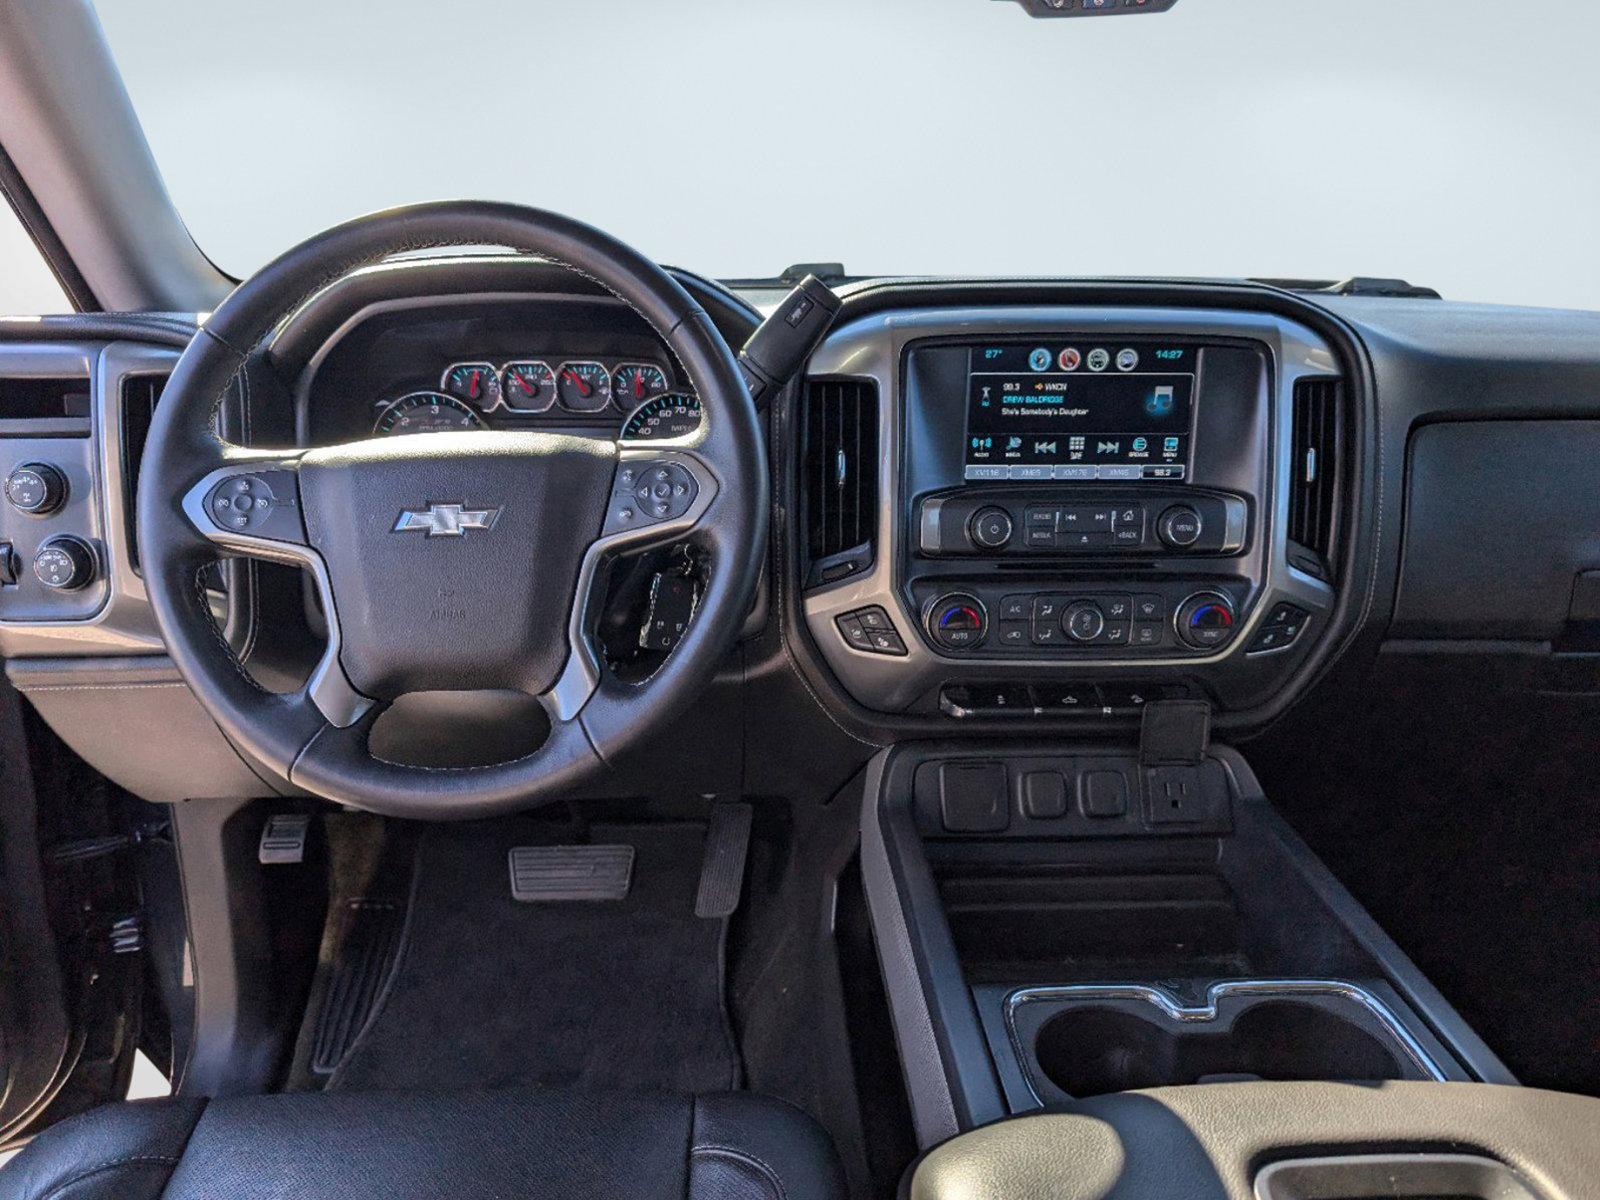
[[722, 873], [542, 874], [368, 943]]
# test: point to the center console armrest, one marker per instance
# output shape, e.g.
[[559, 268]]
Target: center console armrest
[[1213, 1142]]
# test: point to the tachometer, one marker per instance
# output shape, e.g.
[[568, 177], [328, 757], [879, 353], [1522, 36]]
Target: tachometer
[[584, 387], [477, 382], [634, 383], [528, 387], [677, 414], [427, 412]]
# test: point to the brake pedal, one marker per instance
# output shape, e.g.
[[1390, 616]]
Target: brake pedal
[[541, 874]]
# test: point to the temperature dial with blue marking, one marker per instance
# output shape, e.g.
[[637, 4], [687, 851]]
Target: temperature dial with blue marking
[[958, 621], [1206, 620]]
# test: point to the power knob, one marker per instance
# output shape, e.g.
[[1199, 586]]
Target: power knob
[[1179, 527], [65, 564], [990, 528], [36, 488], [1205, 620]]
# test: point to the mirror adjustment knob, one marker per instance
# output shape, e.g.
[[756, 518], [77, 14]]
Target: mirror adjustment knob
[[1083, 621], [1206, 620], [958, 621], [65, 564], [36, 488], [1179, 527], [990, 528]]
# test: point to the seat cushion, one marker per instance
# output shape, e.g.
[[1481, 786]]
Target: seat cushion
[[455, 1146]]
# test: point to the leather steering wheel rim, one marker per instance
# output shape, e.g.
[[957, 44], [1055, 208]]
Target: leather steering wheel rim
[[291, 736]]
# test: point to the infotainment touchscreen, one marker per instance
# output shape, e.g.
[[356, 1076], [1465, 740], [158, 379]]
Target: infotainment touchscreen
[[1080, 410]]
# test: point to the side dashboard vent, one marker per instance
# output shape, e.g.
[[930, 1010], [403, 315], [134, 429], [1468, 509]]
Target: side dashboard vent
[[839, 478], [140, 394], [1314, 480]]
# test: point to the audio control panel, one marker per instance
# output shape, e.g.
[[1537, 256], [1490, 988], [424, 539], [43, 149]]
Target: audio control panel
[[1006, 524]]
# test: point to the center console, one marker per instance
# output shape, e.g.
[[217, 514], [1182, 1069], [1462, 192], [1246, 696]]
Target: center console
[[1083, 510]]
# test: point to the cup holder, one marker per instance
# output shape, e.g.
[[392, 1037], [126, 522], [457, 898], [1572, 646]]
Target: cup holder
[[1088, 1041]]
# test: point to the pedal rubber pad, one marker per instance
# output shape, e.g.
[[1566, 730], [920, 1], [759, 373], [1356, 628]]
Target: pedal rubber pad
[[540, 874], [722, 872]]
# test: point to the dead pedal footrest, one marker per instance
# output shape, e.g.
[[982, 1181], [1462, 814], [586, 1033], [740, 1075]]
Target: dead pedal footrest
[[541, 874]]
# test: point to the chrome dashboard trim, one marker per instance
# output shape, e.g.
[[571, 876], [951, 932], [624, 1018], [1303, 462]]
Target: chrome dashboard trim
[[872, 348]]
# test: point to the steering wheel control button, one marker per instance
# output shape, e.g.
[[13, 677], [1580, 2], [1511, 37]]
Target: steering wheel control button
[[871, 631], [37, 489], [1084, 621], [650, 493], [1285, 623], [1206, 620], [65, 564], [1179, 527], [958, 622], [260, 504], [991, 529]]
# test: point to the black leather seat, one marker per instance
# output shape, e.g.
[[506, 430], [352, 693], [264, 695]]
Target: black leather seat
[[457, 1146]]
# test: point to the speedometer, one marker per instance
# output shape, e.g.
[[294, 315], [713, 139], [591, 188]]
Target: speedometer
[[677, 414], [427, 412]]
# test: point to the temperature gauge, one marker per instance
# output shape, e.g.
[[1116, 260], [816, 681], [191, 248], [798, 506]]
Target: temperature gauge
[[584, 387]]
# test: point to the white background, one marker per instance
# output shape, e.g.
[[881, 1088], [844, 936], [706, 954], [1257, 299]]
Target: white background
[[1451, 142]]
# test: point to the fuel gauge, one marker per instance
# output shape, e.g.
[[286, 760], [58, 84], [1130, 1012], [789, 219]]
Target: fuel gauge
[[476, 382]]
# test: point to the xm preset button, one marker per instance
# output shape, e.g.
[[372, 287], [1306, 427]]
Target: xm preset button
[[958, 622]]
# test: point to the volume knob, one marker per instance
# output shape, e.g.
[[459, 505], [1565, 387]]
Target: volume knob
[[990, 529], [65, 564]]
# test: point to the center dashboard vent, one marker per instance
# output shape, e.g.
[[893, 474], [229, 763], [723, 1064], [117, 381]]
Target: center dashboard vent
[[140, 394], [1314, 475], [839, 478]]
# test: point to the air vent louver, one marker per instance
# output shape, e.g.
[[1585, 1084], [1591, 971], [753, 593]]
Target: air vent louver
[[1313, 494], [138, 403], [839, 478]]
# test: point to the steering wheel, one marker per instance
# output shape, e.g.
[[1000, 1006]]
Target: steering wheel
[[448, 561]]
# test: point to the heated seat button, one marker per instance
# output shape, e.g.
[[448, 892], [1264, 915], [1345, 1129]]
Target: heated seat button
[[854, 634]]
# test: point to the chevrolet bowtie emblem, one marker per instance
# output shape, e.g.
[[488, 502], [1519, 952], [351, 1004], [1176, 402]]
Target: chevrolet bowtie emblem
[[446, 520]]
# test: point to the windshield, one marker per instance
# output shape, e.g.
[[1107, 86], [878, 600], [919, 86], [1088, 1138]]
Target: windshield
[[1448, 142]]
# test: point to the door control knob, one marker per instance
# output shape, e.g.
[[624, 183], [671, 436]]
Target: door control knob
[[990, 528], [1179, 527], [958, 621], [1206, 620], [1083, 621], [65, 564], [36, 488]]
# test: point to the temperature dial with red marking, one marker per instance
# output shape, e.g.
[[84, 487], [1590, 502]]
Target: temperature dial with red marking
[[958, 621], [1206, 620]]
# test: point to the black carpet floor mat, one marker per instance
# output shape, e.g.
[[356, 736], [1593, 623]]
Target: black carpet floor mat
[[490, 992]]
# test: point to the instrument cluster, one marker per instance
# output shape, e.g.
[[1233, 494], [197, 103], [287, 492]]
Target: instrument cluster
[[471, 395]]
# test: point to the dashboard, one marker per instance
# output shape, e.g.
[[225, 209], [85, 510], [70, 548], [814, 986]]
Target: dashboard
[[1165, 490]]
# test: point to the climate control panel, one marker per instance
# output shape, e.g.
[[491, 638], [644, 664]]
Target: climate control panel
[[1000, 620], [1048, 523]]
